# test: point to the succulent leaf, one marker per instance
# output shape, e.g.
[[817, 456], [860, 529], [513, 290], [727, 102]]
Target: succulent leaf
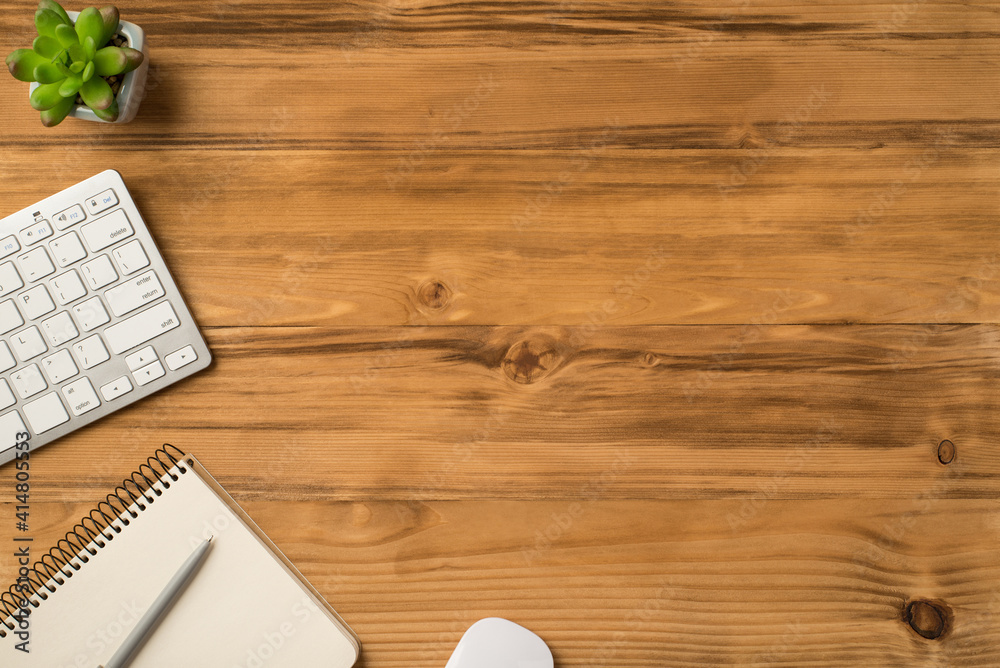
[[66, 35], [53, 6], [77, 53], [90, 47], [110, 114], [22, 64], [47, 21], [48, 73], [48, 47], [111, 18], [71, 86], [67, 72], [77, 67], [54, 116], [134, 58], [90, 24], [46, 96], [88, 72], [97, 94], [110, 61]]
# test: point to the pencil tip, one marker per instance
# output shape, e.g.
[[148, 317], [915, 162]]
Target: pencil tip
[[211, 538]]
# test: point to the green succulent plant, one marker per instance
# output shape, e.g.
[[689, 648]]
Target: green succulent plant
[[70, 60]]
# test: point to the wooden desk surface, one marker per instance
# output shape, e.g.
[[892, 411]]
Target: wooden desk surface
[[639, 324]]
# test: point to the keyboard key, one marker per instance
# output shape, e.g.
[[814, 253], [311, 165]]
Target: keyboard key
[[140, 359], [10, 426], [91, 352], [100, 203], [131, 257], [59, 367], [141, 328], [8, 246], [35, 264], [107, 230], [46, 413], [7, 398], [67, 249], [141, 290], [180, 358], [69, 217], [99, 272], [28, 381], [35, 232], [81, 397], [91, 314], [28, 344], [149, 373], [36, 302], [10, 319], [59, 329], [6, 357], [9, 279], [116, 388], [67, 287]]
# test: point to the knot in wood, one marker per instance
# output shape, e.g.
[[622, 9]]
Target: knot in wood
[[927, 619], [434, 295], [531, 359], [747, 139], [946, 452]]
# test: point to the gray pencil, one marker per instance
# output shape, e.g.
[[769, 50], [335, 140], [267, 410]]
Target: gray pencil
[[145, 626]]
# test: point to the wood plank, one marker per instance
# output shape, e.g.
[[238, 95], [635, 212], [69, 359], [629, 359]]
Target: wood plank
[[646, 583], [351, 238], [407, 22], [751, 412], [520, 81]]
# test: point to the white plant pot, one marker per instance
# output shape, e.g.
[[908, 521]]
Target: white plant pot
[[133, 86]]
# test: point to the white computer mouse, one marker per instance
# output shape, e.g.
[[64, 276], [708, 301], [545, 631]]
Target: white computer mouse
[[498, 643]]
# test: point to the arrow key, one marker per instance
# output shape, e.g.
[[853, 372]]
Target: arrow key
[[116, 388], [182, 357], [149, 373]]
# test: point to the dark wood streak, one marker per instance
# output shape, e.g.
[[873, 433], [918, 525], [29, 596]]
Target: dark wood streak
[[963, 133]]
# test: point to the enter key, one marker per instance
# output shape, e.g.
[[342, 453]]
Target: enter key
[[134, 293]]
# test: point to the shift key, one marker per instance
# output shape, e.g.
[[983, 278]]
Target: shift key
[[140, 328]]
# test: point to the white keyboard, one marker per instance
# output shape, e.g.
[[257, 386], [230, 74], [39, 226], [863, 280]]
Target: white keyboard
[[90, 319]]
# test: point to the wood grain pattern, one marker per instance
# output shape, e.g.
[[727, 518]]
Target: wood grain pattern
[[670, 330], [492, 101], [684, 412], [546, 238], [641, 583]]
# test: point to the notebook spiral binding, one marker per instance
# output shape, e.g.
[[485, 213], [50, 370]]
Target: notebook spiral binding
[[137, 489]]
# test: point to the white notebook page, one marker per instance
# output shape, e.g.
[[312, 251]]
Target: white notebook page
[[243, 609]]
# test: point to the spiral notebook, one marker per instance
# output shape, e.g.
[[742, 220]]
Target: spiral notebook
[[247, 607]]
